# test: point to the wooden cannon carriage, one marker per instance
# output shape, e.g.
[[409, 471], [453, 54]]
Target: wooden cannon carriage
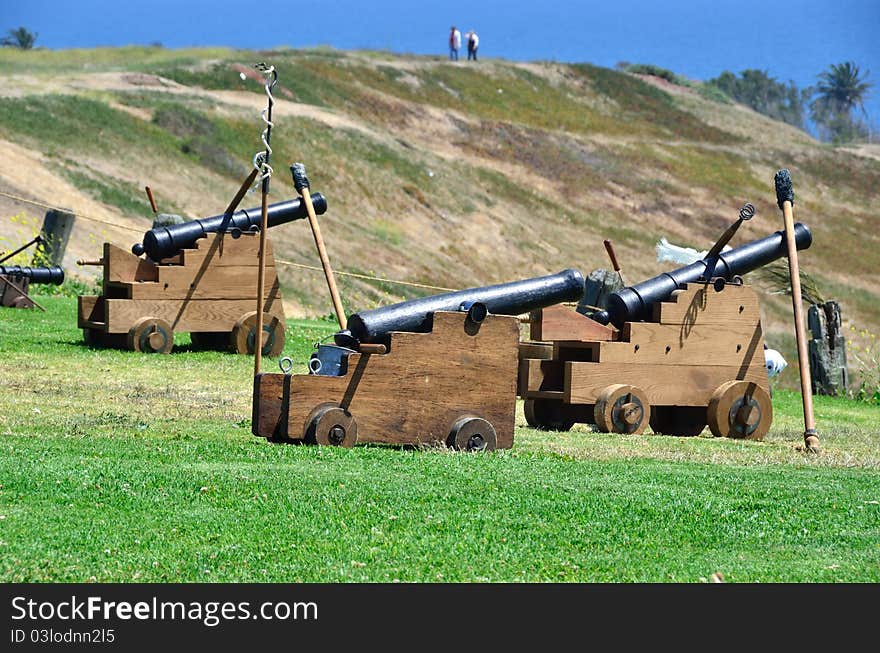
[[198, 277], [679, 352], [699, 360], [435, 370]]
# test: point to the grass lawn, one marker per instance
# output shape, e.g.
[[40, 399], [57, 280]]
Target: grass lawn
[[116, 466]]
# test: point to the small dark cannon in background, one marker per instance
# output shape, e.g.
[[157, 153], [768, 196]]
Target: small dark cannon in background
[[52, 275], [439, 369], [15, 280], [164, 242], [686, 350], [198, 277]]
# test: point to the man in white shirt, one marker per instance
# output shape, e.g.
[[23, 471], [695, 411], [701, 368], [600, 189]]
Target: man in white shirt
[[454, 43], [473, 44]]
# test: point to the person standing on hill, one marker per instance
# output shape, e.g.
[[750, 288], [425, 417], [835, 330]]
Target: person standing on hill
[[454, 43], [473, 44]]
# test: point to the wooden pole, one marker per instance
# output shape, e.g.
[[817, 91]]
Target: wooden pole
[[261, 279], [36, 240], [152, 201], [241, 193], [785, 200], [301, 182], [264, 218], [610, 249]]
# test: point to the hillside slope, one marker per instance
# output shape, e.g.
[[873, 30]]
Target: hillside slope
[[446, 174]]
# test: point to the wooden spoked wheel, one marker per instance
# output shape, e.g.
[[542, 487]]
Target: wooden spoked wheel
[[151, 335], [678, 420], [330, 425], [740, 409], [472, 434], [203, 340], [547, 415], [622, 408], [244, 334]]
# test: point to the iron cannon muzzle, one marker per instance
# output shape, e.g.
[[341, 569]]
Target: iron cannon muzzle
[[163, 242], [52, 275]]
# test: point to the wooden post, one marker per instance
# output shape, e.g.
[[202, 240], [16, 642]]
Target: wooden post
[[301, 182], [266, 171], [55, 233], [827, 348], [785, 200], [261, 279], [610, 249]]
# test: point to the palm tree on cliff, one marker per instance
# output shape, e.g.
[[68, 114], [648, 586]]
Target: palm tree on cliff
[[842, 89], [20, 38]]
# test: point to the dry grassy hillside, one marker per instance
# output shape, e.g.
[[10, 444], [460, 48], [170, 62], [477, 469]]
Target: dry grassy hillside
[[446, 174]]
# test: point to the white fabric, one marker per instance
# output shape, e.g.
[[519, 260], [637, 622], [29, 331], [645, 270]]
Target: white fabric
[[775, 362], [666, 251]]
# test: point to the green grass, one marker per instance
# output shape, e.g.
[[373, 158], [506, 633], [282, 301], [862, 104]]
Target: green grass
[[77, 124], [117, 467], [133, 58]]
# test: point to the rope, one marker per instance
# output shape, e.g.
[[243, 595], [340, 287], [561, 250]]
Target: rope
[[364, 276], [79, 215], [304, 266]]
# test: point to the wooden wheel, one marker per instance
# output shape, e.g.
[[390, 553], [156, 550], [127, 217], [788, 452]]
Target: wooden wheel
[[740, 409], [202, 340], [472, 434], [330, 425], [245, 330], [678, 420], [151, 335], [622, 409], [547, 415]]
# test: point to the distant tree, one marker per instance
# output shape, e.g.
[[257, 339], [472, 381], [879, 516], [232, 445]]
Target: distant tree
[[758, 90], [841, 90], [20, 38]]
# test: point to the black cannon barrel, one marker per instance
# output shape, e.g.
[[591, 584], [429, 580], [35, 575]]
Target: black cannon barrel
[[634, 302], [162, 242], [511, 298], [53, 275]]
